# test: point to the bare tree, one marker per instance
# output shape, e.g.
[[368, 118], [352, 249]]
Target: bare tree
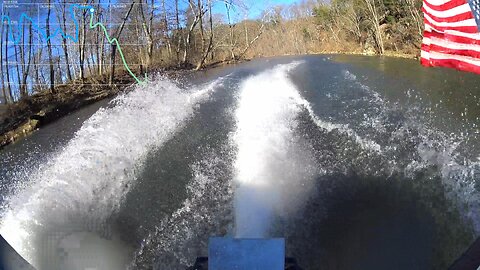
[[17, 65], [21, 65], [248, 45], [4, 90], [147, 28], [26, 66], [49, 48], [416, 15], [81, 46], [99, 41], [353, 22], [208, 49], [200, 23], [375, 23], [228, 6], [7, 67], [166, 29], [179, 34], [114, 45], [188, 39], [62, 21], [36, 61]]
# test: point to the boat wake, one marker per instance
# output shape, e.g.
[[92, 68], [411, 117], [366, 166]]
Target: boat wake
[[263, 174], [70, 198]]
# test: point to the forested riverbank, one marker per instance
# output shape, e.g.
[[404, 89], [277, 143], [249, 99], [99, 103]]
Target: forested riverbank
[[45, 78]]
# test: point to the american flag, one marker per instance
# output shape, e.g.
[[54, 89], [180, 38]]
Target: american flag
[[452, 34]]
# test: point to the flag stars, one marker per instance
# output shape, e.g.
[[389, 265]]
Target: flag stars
[[475, 7]]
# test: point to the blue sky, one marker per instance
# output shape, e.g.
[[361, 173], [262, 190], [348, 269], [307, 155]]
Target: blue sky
[[255, 6]]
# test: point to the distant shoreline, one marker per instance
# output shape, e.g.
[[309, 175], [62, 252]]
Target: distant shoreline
[[387, 54]]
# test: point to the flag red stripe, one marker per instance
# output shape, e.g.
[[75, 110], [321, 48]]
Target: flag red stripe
[[425, 62], [446, 6], [425, 47], [451, 63], [465, 29]]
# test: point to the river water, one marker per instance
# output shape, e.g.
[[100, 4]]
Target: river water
[[359, 162]]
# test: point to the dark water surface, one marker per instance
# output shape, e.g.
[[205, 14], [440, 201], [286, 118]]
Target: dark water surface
[[359, 162]]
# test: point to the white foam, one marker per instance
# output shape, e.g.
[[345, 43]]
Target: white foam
[[269, 159], [459, 179], [179, 238], [343, 128], [86, 181], [434, 148]]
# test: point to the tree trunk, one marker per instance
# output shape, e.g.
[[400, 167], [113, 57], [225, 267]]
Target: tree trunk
[[260, 32], [9, 87], [64, 41], [49, 47], [26, 69], [140, 50], [232, 36], [147, 29], [102, 57], [114, 45], [17, 65], [90, 63], [113, 53], [81, 47], [200, 23], [374, 19], [189, 34], [166, 29], [99, 42], [177, 19], [210, 40], [36, 61], [188, 40], [21, 47], [4, 90]]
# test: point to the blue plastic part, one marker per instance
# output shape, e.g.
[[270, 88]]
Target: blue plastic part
[[249, 254]]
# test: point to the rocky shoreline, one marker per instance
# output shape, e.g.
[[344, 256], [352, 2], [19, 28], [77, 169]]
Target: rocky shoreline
[[26, 116]]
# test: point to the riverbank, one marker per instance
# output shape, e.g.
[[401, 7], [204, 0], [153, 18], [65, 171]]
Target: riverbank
[[24, 117], [387, 53], [29, 114]]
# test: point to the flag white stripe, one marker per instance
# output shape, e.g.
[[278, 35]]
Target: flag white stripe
[[469, 22], [424, 54], [449, 12], [443, 56], [462, 34], [450, 44], [426, 41]]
